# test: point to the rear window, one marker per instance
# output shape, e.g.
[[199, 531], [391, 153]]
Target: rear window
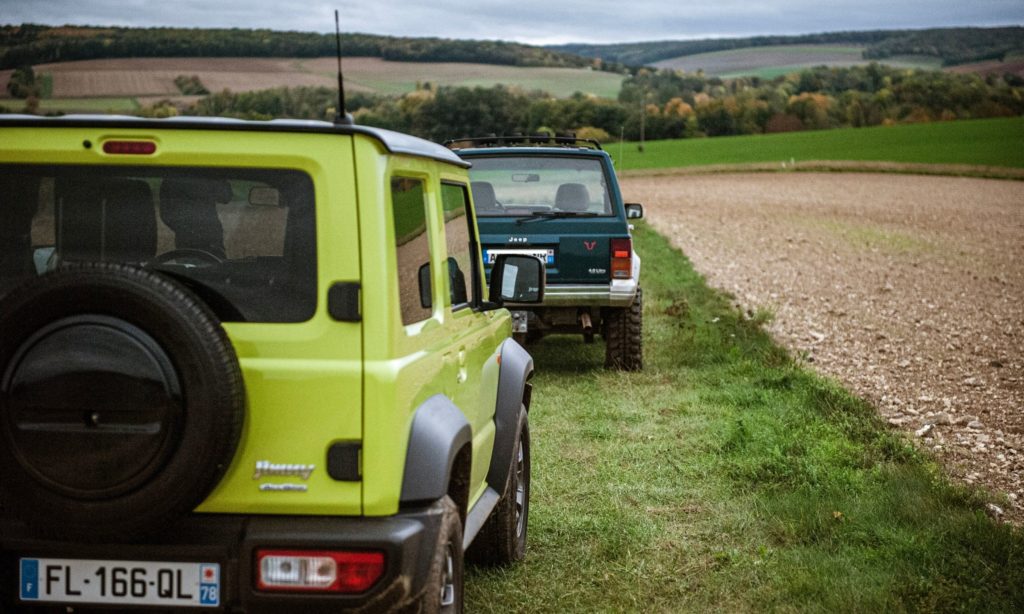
[[244, 240], [521, 186]]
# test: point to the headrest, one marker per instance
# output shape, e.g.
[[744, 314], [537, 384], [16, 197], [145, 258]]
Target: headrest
[[572, 197], [483, 195]]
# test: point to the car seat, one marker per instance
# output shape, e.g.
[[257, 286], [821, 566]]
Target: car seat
[[106, 220], [572, 197], [189, 208], [484, 197]]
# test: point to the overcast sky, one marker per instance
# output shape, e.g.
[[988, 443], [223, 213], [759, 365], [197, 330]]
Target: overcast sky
[[530, 21]]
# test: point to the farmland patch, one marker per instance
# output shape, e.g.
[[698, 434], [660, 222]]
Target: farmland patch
[[772, 61], [155, 76], [907, 289]]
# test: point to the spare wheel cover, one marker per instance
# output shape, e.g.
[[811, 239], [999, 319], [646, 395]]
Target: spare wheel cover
[[121, 402]]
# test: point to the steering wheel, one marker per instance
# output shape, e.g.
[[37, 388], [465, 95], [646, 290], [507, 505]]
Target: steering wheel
[[192, 253]]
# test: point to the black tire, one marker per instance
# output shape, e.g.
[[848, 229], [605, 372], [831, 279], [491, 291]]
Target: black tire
[[624, 347], [444, 590], [121, 402], [502, 539]]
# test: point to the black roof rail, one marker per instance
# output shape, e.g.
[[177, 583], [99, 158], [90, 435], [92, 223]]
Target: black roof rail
[[542, 139]]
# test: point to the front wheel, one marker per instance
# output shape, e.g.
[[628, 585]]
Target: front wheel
[[502, 539], [624, 336]]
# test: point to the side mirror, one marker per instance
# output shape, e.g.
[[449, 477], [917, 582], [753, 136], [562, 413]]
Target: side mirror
[[634, 211], [517, 278]]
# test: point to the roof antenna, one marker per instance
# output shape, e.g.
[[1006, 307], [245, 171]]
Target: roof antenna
[[342, 117]]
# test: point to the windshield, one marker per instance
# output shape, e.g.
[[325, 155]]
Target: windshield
[[241, 239], [527, 186]]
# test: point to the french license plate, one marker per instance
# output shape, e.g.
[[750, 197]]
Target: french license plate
[[546, 255], [120, 582]]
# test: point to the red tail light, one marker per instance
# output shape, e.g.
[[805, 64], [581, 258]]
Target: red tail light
[[622, 258], [133, 148], [318, 571]]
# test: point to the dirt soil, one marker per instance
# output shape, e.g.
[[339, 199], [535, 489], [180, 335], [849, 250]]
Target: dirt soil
[[907, 289]]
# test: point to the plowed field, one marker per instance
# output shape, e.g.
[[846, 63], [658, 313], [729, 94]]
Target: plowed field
[[155, 76], [908, 289]]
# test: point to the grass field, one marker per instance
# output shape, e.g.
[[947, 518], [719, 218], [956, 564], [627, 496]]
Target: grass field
[[987, 142], [772, 61], [727, 478]]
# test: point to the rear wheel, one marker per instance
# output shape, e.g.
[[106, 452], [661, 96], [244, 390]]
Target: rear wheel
[[502, 540], [624, 336], [444, 591]]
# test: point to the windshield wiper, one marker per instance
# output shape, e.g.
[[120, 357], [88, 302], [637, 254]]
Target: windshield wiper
[[549, 215]]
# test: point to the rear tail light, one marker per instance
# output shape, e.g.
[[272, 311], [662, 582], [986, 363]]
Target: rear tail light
[[318, 571], [135, 148], [622, 258]]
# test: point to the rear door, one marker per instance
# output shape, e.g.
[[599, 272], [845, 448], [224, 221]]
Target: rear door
[[254, 223], [558, 207], [471, 373]]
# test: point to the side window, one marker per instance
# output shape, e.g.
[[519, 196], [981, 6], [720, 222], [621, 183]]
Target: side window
[[408, 206], [458, 232]]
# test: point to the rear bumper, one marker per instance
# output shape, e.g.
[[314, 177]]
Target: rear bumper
[[618, 293], [408, 540]]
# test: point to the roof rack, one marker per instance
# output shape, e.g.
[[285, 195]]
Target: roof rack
[[542, 139]]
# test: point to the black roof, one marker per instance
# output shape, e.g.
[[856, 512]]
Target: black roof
[[394, 142]]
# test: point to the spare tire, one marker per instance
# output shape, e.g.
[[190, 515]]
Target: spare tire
[[121, 402]]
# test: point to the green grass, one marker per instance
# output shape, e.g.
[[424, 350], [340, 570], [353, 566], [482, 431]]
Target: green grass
[[727, 478], [987, 142], [89, 105]]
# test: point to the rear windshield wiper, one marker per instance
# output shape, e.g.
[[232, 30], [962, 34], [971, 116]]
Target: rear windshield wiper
[[549, 215]]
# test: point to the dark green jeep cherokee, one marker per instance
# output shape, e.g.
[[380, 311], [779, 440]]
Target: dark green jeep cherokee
[[557, 198]]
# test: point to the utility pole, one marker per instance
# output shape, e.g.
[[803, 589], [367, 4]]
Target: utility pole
[[622, 140], [643, 116]]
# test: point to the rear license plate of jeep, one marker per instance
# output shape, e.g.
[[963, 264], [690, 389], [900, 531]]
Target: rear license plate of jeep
[[120, 582], [546, 255]]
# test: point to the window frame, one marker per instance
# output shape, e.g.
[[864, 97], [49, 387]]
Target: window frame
[[424, 181], [474, 245]]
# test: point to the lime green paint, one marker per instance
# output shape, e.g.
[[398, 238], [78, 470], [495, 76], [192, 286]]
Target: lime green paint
[[318, 382], [987, 142]]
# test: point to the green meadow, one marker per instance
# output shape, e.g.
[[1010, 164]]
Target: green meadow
[[983, 142]]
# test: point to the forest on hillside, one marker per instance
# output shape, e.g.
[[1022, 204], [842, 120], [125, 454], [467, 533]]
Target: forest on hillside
[[951, 45], [30, 44], [662, 104]]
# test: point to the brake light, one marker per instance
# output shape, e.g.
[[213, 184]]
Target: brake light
[[133, 148], [622, 258], [319, 571]]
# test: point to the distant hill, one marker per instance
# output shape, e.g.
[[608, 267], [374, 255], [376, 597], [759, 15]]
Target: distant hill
[[777, 60], [949, 45], [30, 44]]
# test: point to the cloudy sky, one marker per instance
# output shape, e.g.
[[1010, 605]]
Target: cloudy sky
[[531, 21]]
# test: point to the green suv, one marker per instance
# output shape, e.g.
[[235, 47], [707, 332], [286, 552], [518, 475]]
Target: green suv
[[251, 367], [558, 199]]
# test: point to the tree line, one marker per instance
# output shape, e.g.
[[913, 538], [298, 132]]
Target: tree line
[[31, 44], [952, 45], [663, 104]]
